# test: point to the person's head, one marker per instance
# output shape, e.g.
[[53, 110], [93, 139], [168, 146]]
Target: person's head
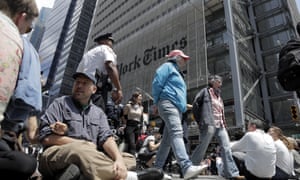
[[277, 133], [293, 143], [215, 81], [22, 13], [180, 58], [84, 86], [137, 98], [156, 133], [106, 39], [255, 124]]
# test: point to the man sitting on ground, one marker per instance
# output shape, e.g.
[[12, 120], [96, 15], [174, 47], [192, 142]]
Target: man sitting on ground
[[256, 152], [149, 147], [75, 131]]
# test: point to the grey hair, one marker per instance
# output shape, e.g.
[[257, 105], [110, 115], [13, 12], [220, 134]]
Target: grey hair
[[213, 78], [258, 123]]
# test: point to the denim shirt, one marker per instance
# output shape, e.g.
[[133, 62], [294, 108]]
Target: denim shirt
[[28, 86], [86, 123]]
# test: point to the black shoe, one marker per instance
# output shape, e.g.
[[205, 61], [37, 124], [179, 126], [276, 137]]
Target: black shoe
[[150, 174], [71, 173]]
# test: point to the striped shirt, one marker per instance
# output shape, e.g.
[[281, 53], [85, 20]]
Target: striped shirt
[[217, 108]]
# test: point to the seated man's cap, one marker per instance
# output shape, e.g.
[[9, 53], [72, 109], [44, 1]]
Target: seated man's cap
[[104, 37], [178, 52], [86, 74]]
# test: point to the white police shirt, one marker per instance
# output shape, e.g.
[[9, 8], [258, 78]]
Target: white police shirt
[[96, 59]]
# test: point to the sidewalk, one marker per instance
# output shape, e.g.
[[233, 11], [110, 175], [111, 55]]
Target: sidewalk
[[200, 177]]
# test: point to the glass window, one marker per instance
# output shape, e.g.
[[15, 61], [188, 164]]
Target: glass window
[[274, 87], [281, 111], [271, 62], [275, 40]]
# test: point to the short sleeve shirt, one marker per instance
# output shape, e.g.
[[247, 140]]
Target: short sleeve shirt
[[96, 59], [11, 51]]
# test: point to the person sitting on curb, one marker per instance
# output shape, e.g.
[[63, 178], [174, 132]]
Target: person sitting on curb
[[150, 146], [256, 152], [73, 130]]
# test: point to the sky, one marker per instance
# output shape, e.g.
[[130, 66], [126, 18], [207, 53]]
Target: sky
[[44, 3]]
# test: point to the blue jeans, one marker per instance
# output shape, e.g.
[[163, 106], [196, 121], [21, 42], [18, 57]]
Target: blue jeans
[[172, 137], [206, 134]]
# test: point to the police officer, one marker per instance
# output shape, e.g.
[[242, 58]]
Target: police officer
[[102, 62]]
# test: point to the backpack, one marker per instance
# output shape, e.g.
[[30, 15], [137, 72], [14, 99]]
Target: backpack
[[196, 106], [288, 73]]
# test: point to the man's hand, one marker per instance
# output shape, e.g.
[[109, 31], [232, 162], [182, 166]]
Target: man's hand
[[120, 96], [59, 128], [120, 170]]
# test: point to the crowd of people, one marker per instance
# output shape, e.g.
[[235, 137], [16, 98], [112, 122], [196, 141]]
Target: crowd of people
[[81, 133]]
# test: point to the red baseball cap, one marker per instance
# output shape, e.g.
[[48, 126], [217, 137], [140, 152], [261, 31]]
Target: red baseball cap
[[178, 52]]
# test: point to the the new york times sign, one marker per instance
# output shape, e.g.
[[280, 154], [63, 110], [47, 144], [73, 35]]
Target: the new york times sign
[[150, 55]]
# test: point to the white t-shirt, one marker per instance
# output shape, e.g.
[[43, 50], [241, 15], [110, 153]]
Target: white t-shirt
[[96, 58], [145, 146], [260, 152], [284, 158]]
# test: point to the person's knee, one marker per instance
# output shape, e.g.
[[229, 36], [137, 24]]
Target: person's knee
[[26, 164]]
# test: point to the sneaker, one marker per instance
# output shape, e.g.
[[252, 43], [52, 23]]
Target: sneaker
[[71, 173], [193, 171], [167, 177], [150, 173], [131, 175]]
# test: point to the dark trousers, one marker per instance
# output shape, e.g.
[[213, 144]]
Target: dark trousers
[[280, 175], [244, 172], [132, 131], [16, 165]]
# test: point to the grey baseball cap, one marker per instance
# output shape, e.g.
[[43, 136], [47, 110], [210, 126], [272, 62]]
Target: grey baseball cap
[[88, 75]]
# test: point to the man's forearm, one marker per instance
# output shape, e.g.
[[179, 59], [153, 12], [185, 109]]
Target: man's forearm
[[54, 139], [112, 149], [114, 75]]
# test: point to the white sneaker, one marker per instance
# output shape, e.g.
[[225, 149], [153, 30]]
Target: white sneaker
[[193, 171], [131, 175], [167, 177]]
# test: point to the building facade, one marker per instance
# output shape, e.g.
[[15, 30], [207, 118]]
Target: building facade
[[63, 44], [238, 40], [39, 28]]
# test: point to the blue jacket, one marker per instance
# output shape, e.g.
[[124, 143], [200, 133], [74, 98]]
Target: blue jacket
[[168, 84], [29, 80]]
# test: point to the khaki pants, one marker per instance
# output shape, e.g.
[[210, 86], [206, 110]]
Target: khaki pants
[[93, 164]]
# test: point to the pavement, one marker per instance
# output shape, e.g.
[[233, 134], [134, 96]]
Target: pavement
[[202, 177]]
